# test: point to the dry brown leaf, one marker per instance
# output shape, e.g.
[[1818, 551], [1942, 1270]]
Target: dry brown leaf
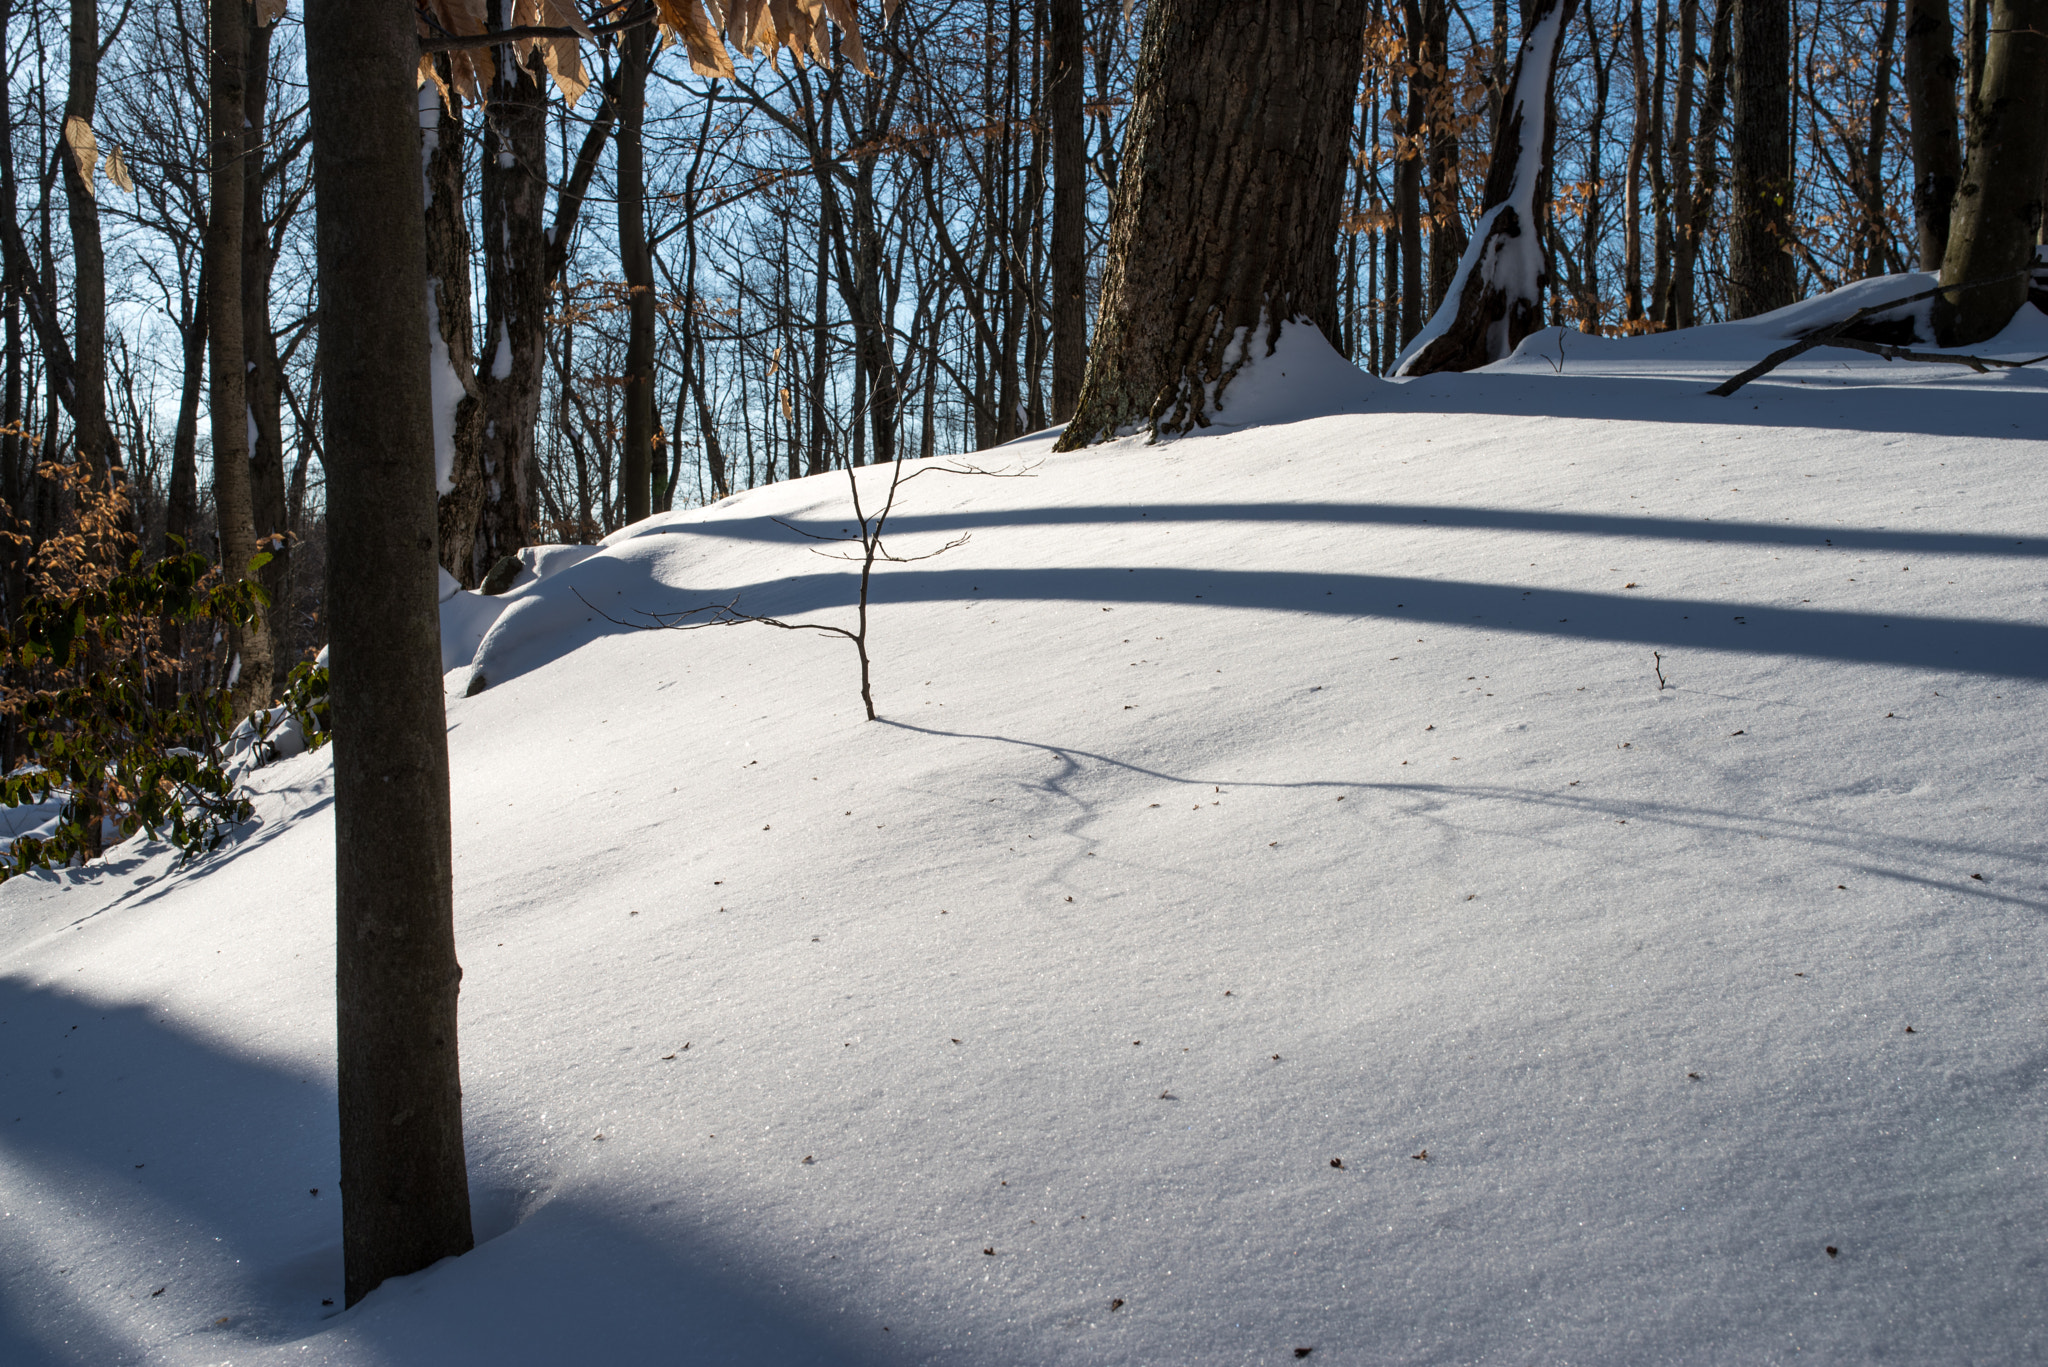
[[788, 413], [684, 19], [269, 12], [117, 171], [85, 150]]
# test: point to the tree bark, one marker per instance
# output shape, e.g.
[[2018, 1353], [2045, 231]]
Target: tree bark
[[1699, 201], [515, 186], [182, 504], [458, 406], [1932, 69], [1499, 295], [1632, 186], [1760, 228], [1225, 224], [1446, 225], [1873, 151], [1679, 175], [1997, 214], [404, 1188], [94, 438], [635, 465], [228, 404], [263, 370], [1069, 210]]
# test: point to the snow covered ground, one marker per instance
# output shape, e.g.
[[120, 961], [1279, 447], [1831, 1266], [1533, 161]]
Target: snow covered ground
[[1279, 910]]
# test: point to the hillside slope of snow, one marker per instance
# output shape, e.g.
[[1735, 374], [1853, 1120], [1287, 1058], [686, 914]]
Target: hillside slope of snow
[[1279, 909]]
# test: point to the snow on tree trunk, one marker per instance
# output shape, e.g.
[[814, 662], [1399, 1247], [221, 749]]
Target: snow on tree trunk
[[1496, 297]]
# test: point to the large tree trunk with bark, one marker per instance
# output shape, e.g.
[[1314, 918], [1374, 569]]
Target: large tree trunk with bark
[[1069, 210], [1225, 224], [1760, 227], [635, 478], [457, 398], [1997, 215], [228, 394], [404, 1188], [515, 187], [1497, 299], [1932, 68]]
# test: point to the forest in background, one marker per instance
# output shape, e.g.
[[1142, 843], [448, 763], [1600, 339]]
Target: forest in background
[[848, 264]]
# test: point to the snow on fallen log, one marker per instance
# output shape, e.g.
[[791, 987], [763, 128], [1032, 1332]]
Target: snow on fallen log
[[1496, 298]]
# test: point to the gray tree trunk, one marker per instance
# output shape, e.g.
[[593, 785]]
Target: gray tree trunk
[[1932, 68], [1226, 218], [228, 405], [635, 464], [404, 1188], [1760, 228], [1069, 210], [95, 437], [451, 330], [1997, 214]]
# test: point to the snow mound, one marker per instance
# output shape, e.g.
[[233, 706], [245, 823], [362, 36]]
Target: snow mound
[[1546, 860]]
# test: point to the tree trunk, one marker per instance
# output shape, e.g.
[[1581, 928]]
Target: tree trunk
[[182, 505], [1873, 152], [1932, 68], [228, 403], [515, 187], [94, 437], [1408, 187], [1679, 175], [454, 392], [1446, 225], [1997, 212], [1225, 225], [1692, 225], [1760, 228], [635, 464], [1660, 189], [263, 369], [1069, 210], [1632, 186], [404, 1187], [1498, 299]]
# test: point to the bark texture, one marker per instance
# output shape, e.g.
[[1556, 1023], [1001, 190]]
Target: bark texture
[[1760, 267], [1226, 216], [95, 438], [1497, 299], [404, 1188], [228, 403], [450, 323], [1069, 210], [263, 373], [635, 465], [1997, 215], [515, 188], [1932, 69]]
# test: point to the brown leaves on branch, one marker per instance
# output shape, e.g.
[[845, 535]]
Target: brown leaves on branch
[[709, 31]]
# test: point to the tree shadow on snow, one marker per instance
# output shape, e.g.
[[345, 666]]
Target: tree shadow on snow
[[1699, 531], [1944, 859], [1948, 644], [165, 1160]]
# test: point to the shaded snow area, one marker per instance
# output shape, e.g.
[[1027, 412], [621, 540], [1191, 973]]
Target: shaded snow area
[[1279, 910]]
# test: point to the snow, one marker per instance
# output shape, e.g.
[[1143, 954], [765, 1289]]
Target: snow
[[448, 392], [1633, 966]]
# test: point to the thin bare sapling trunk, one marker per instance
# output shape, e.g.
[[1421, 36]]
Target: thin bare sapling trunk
[[1496, 298], [866, 547]]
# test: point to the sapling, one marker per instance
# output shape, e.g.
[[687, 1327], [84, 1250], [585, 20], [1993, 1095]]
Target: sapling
[[871, 551]]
